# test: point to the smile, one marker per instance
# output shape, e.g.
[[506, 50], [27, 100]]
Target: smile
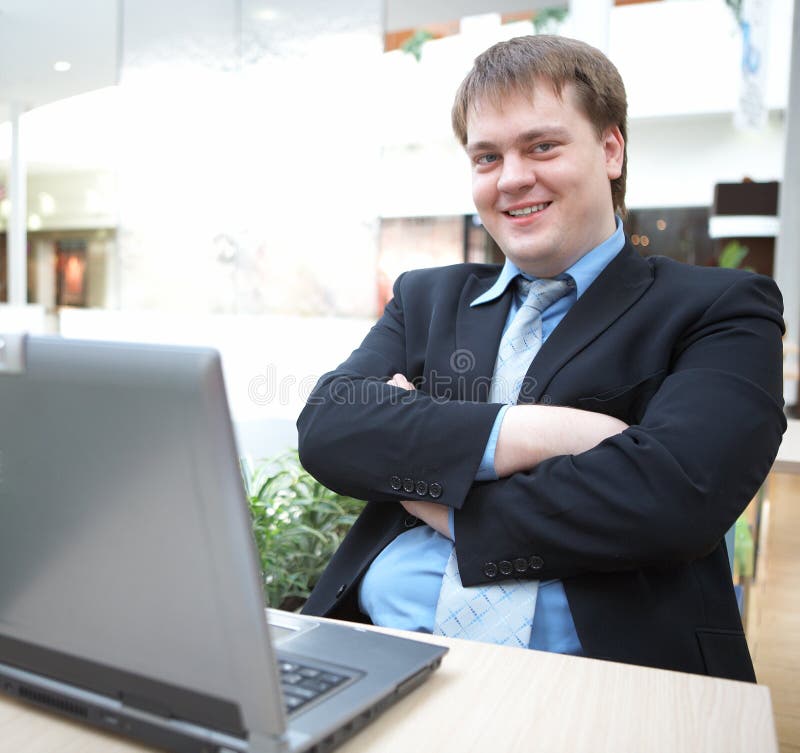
[[525, 211]]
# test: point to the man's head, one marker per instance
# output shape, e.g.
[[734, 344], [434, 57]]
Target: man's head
[[543, 120]]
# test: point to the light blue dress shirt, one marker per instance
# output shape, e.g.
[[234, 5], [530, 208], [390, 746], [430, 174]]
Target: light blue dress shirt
[[401, 587]]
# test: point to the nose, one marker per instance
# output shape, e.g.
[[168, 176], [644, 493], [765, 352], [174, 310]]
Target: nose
[[516, 175]]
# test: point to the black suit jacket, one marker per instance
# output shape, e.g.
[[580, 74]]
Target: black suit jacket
[[690, 357]]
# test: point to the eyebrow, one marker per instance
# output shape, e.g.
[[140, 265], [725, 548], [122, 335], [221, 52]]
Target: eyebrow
[[523, 138]]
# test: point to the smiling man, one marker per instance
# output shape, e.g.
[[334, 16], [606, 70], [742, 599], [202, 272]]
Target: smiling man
[[541, 177], [553, 449]]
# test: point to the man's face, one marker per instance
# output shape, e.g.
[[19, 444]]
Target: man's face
[[541, 178]]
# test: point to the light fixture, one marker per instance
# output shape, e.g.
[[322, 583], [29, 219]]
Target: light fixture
[[266, 14], [62, 66], [34, 222]]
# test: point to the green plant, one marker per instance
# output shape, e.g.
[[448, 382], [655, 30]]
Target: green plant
[[743, 548], [733, 254], [547, 19], [736, 8], [298, 525], [413, 45]]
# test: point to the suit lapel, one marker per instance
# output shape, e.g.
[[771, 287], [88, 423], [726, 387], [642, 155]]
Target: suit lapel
[[617, 288], [478, 332]]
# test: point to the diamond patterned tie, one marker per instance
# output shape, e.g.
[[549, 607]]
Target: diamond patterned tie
[[523, 338], [501, 612]]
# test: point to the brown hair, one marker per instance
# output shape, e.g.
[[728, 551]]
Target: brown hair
[[517, 65]]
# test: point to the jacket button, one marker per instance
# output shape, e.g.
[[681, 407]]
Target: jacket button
[[410, 521], [396, 483], [435, 490], [520, 564], [490, 570], [505, 567], [341, 590], [422, 488], [536, 562], [408, 485]]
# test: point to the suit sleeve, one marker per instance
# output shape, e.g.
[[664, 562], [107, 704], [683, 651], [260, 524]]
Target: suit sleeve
[[362, 437], [665, 491]]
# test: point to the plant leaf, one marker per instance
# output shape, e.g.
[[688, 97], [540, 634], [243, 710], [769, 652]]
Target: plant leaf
[[733, 255], [297, 525]]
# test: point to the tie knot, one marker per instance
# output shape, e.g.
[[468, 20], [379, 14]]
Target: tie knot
[[540, 294]]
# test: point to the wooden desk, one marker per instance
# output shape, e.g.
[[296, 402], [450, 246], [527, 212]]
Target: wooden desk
[[490, 699]]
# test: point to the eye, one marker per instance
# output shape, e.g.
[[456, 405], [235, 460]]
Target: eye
[[543, 148], [486, 159]]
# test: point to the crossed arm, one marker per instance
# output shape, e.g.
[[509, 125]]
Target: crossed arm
[[528, 435], [598, 497]]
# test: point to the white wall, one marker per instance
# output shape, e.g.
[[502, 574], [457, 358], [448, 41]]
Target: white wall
[[30, 318], [248, 156], [683, 57], [676, 161]]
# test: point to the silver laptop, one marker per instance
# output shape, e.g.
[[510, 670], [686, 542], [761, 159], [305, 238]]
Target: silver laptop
[[130, 596]]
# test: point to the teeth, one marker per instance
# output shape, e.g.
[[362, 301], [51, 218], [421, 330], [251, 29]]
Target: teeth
[[527, 210]]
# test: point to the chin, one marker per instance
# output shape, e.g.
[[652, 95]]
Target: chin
[[530, 261]]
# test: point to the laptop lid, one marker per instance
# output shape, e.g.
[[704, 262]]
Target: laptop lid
[[127, 568]]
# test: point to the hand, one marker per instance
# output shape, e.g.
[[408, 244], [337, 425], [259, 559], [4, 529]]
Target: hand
[[399, 380], [436, 516]]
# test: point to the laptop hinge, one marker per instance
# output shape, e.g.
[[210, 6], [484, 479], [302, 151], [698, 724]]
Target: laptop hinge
[[12, 353], [259, 743]]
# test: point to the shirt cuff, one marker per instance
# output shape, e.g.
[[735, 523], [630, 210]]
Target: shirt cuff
[[486, 471]]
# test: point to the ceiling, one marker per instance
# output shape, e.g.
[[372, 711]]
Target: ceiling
[[35, 34]]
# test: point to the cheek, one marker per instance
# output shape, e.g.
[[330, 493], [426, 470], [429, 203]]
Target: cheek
[[482, 190], [563, 175]]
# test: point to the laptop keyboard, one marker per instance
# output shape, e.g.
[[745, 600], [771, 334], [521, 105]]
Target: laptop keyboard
[[302, 684]]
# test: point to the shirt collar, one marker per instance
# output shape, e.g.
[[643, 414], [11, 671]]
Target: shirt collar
[[584, 271]]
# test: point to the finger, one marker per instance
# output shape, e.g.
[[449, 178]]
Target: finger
[[399, 380]]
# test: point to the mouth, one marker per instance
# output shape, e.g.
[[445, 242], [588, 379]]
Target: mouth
[[529, 210]]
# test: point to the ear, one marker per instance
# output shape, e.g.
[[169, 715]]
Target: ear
[[614, 148]]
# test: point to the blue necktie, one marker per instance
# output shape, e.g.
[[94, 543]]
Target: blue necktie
[[501, 612]]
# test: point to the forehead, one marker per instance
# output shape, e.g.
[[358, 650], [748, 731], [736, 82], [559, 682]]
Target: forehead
[[533, 107]]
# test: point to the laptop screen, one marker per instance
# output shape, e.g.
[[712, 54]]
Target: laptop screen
[[124, 536]]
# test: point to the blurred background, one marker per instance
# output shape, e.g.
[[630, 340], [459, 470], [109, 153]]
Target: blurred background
[[254, 174]]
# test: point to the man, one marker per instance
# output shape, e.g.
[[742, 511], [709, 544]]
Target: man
[[568, 437]]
